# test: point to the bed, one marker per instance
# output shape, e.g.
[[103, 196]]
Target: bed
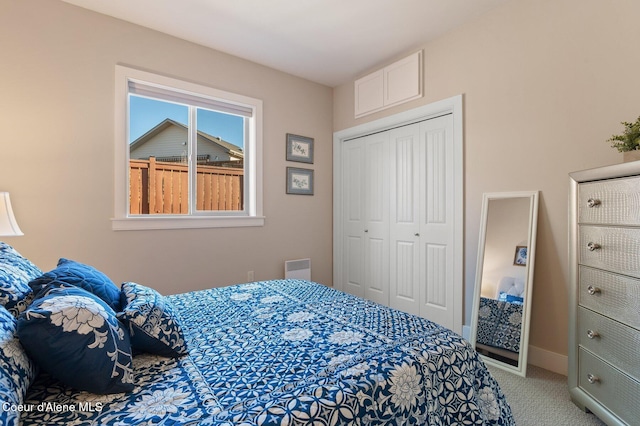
[[274, 353]]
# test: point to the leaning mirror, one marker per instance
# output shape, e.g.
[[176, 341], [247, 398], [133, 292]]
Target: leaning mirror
[[504, 278]]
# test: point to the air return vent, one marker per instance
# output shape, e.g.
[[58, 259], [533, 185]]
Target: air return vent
[[299, 269]]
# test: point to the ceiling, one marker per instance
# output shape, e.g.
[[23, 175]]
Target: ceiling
[[326, 41]]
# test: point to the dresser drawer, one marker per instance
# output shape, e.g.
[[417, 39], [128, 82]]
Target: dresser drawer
[[613, 389], [610, 202], [610, 340], [611, 248], [613, 295]]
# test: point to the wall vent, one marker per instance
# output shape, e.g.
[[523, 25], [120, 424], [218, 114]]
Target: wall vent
[[299, 269]]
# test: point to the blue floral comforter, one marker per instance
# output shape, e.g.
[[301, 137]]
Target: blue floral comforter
[[290, 352]]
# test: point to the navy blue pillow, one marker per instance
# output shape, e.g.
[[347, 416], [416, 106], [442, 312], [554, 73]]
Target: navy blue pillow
[[153, 327], [75, 336], [80, 275]]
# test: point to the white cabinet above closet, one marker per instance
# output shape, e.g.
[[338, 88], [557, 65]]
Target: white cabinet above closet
[[394, 84]]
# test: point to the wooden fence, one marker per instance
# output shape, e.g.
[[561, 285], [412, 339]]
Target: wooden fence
[[157, 187]]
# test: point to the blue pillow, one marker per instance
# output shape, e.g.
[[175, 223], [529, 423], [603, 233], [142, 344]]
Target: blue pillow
[[17, 372], [15, 274], [83, 276], [151, 322], [75, 336], [504, 297]]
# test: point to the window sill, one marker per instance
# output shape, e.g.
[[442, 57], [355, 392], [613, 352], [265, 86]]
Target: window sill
[[186, 222]]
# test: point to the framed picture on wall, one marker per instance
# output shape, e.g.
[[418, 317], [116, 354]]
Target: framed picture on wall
[[299, 181], [520, 258], [299, 148]]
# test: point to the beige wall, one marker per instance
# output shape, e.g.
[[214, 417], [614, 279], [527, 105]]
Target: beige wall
[[57, 139], [545, 83]]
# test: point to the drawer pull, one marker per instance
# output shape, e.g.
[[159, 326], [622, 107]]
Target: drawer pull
[[593, 246], [593, 290], [592, 334], [593, 202], [592, 378]]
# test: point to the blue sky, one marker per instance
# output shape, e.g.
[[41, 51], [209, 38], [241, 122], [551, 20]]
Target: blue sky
[[146, 113]]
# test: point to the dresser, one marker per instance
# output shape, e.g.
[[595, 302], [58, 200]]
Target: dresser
[[604, 302]]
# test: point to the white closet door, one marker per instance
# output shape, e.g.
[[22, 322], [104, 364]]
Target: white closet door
[[421, 220], [404, 204], [437, 236], [366, 217], [376, 213], [353, 216], [398, 216]]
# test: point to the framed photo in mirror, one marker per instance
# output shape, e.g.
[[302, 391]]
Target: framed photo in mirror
[[520, 258]]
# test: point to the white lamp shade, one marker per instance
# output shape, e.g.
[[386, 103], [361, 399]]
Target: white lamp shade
[[8, 225]]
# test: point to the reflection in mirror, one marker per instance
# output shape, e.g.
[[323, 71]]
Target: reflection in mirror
[[504, 278]]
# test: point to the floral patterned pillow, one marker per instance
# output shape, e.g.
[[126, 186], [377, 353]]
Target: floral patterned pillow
[[17, 372], [75, 336], [152, 324], [15, 274], [83, 276]]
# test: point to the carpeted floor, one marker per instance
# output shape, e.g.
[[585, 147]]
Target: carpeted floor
[[541, 398]]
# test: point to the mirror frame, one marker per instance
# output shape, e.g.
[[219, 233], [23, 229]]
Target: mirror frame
[[521, 369]]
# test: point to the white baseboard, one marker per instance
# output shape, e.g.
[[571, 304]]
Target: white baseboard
[[548, 360]]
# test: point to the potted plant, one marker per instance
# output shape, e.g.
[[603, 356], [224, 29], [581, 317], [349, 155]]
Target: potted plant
[[629, 141]]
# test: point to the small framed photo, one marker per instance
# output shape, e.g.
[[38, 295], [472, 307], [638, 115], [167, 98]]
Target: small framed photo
[[299, 148], [299, 181], [520, 258]]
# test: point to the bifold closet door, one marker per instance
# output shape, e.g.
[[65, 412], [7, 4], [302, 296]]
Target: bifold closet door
[[404, 162], [366, 217], [421, 219], [397, 216]]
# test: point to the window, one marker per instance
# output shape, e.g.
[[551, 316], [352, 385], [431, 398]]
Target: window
[[187, 155]]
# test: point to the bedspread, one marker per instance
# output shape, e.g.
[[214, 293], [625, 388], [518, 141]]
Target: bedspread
[[290, 352]]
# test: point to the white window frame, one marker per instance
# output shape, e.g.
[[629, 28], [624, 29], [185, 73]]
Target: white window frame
[[252, 214]]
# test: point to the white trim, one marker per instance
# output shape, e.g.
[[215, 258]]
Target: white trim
[[184, 222], [253, 214], [452, 106]]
